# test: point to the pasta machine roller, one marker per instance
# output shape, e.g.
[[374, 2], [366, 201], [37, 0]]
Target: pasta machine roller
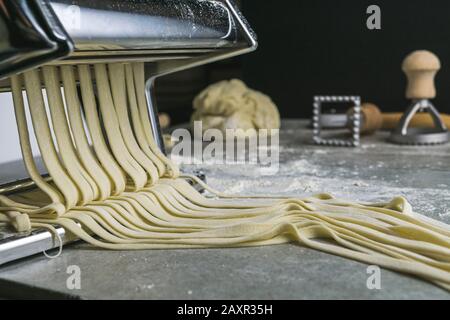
[[168, 35]]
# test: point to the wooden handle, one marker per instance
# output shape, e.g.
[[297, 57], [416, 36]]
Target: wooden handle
[[421, 68], [372, 119]]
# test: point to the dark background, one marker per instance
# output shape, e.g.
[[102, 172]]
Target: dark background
[[309, 47]]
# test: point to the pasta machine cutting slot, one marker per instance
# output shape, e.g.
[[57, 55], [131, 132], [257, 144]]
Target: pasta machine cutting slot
[[167, 35]]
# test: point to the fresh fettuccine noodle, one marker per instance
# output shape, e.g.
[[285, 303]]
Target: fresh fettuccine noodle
[[112, 187]]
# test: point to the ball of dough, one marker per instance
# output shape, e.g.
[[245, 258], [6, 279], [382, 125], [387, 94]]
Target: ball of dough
[[232, 105]]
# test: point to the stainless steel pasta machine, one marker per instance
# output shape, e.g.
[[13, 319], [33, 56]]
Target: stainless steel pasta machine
[[168, 35]]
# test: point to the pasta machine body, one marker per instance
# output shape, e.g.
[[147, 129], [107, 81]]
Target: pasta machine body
[[167, 35]]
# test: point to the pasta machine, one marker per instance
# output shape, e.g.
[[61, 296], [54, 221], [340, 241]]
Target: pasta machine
[[168, 35]]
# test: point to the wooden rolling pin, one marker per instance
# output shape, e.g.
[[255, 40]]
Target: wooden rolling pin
[[420, 120], [373, 119]]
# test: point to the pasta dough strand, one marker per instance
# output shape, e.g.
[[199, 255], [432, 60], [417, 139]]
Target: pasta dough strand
[[124, 194]]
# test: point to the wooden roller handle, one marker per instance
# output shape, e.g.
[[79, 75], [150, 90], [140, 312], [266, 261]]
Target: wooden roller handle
[[371, 117]]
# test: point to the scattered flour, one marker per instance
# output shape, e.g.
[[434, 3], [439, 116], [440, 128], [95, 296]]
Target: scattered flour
[[301, 185], [360, 184]]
